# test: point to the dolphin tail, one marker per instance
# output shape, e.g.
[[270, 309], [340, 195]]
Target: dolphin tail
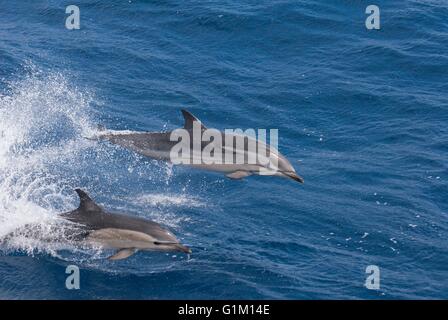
[[100, 132]]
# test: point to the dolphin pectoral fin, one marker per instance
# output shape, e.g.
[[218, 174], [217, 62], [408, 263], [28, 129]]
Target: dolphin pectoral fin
[[123, 254], [238, 175]]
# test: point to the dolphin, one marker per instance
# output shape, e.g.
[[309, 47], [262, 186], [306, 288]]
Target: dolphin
[[122, 232], [158, 145]]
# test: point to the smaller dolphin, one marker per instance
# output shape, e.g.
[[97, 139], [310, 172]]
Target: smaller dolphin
[[124, 233], [158, 145]]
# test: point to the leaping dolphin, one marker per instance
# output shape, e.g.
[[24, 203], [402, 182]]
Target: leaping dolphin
[[158, 145], [124, 233]]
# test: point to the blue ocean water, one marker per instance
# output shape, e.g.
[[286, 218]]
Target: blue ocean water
[[362, 115]]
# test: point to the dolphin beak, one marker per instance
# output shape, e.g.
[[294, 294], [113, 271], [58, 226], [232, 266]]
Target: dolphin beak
[[183, 248], [294, 176]]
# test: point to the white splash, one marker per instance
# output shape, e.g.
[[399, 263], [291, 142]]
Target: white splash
[[42, 120], [167, 200]]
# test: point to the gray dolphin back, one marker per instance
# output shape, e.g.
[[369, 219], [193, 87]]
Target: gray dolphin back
[[93, 217]]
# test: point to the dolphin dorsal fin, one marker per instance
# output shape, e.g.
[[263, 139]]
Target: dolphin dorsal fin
[[189, 119], [86, 203]]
